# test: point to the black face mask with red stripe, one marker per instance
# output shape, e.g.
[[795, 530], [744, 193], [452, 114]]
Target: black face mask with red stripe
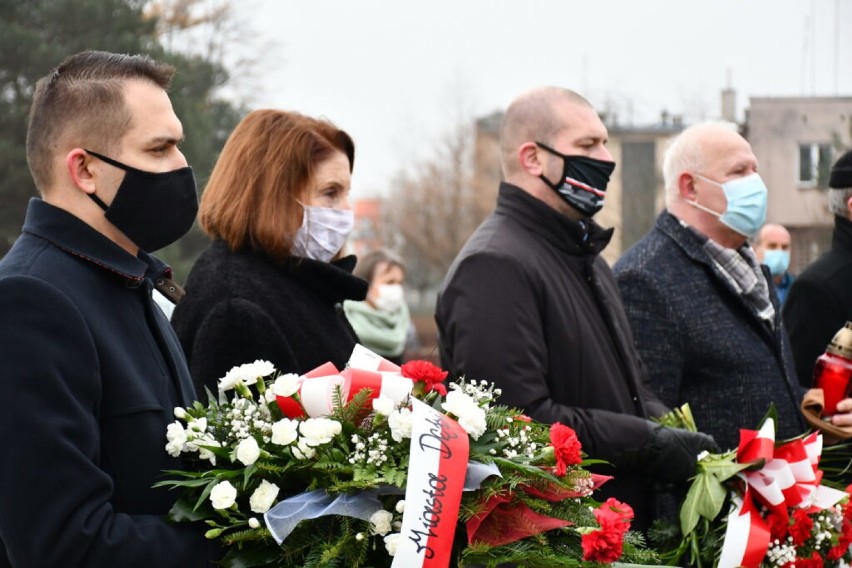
[[584, 180]]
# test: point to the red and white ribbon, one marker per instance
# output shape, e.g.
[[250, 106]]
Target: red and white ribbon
[[364, 370], [746, 538], [789, 478], [436, 473]]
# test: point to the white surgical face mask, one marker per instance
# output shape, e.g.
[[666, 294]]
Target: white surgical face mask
[[323, 232], [389, 297]]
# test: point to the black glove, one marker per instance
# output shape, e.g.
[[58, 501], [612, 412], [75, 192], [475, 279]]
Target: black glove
[[671, 454]]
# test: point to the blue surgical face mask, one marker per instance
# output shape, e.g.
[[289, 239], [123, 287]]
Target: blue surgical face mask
[[777, 260], [746, 210]]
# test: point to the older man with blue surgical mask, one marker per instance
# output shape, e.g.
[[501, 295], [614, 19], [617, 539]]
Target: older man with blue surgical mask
[[705, 321]]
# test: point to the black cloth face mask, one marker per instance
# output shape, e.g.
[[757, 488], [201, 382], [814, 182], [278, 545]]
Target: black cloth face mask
[[584, 181], [152, 209]]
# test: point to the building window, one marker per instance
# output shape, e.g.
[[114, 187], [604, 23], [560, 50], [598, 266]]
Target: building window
[[814, 164]]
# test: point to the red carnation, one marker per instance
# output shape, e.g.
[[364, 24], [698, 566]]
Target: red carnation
[[566, 447], [802, 527], [423, 371], [622, 511], [778, 525], [605, 545], [814, 561], [602, 546]]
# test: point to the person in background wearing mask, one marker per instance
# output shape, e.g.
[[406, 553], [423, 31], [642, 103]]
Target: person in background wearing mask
[[529, 304], [772, 247], [820, 301], [705, 322], [272, 284], [382, 321], [91, 368]]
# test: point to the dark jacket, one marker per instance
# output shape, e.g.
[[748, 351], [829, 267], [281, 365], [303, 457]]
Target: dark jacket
[[242, 306], [91, 375], [701, 342], [529, 305], [820, 301]]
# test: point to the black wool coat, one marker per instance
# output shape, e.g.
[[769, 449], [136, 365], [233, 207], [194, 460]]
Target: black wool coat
[[820, 301], [91, 374], [529, 305], [242, 306]]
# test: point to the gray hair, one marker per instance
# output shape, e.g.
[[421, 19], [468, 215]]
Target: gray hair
[[685, 153], [837, 200]]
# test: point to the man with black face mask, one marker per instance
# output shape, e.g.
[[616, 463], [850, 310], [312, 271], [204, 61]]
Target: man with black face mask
[[92, 370], [529, 304]]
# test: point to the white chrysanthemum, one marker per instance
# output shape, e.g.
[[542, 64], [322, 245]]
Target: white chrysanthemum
[[285, 431], [248, 451], [248, 373], [319, 431], [470, 415], [400, 424], [381, 521], [287, 385], [384, 405], [223, 495], [303, 451], [391, 542], [176, 436], [263, 497]]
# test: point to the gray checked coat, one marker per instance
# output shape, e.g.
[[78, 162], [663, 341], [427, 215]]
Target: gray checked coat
[[701, 342]]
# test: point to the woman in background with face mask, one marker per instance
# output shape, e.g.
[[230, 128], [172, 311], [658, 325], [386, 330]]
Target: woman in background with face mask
[[272, 283], [382, 322]]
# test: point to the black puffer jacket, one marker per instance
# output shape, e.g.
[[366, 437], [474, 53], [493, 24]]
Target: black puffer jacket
[[529, 305], [242, 306]]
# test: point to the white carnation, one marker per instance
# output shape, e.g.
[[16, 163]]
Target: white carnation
[[204, 453], [319, 431], [287, 385], [384, 405], [253, 523], [180, 412], [248, 451], [223, 495], [197, 424], [303, 451], [381, 521], [248, 373], [400, 424], [263, 497], [470, 415], [285, 431], [176, 436], [391, 542]]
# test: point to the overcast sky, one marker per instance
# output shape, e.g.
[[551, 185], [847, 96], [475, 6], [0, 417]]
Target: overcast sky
[[396, 74]]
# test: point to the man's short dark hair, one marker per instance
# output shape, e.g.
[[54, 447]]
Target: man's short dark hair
[[83, 100]]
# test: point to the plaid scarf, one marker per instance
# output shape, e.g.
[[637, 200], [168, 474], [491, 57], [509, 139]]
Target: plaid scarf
[[739, 267]]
